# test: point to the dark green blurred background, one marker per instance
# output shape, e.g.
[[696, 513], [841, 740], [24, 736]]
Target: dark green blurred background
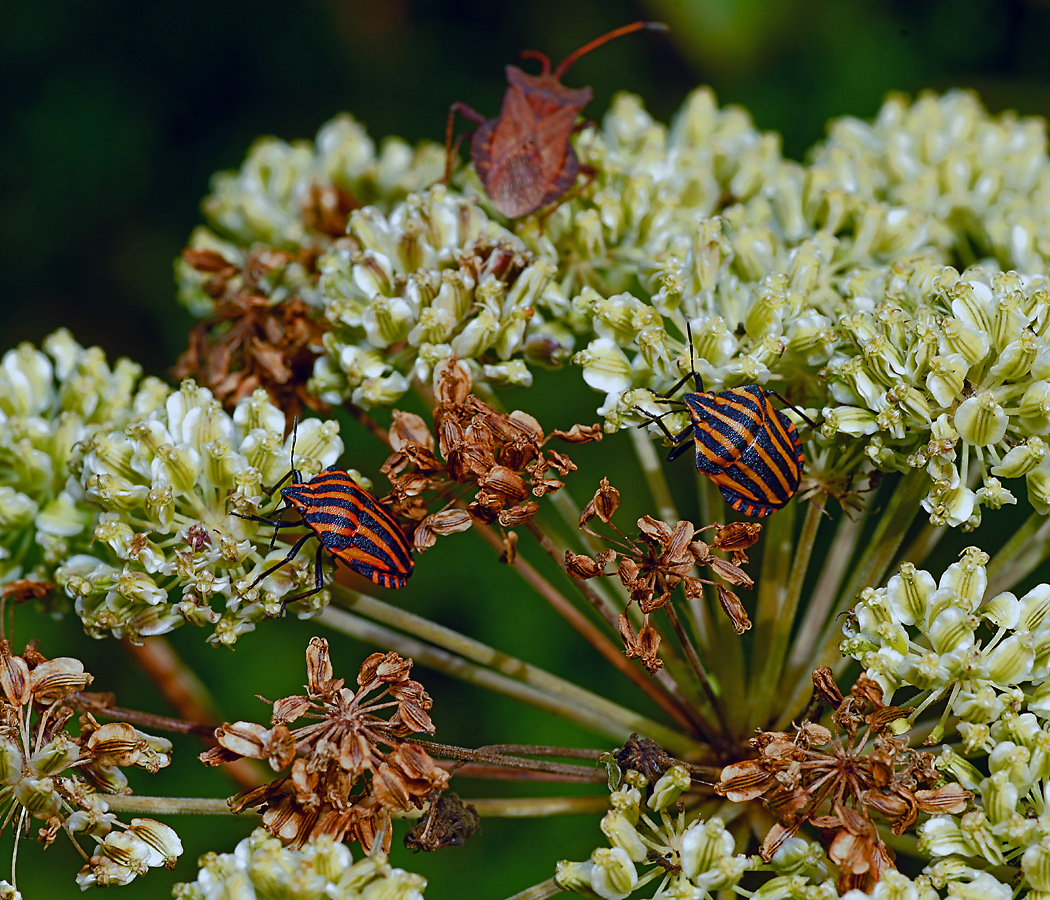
[[113, 115]]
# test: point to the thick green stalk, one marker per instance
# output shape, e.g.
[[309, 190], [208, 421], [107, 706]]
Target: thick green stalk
[[653, 472], [542, 891], [779, 593], [168, 806], [881, 550], [1026, 549], [535, 807], [493, 670]]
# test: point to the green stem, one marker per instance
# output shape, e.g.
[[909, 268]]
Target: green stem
[[700, 673], [889, 533], [542, 891], [1026, 549], [167, 806], [659, 691], [493, 670], [653, 472], [535, 807], [779, 592], [836, 561]]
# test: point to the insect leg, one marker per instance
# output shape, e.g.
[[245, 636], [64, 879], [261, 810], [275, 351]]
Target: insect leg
[[783, 400], [468, 113], [291, 555], [318, 582]]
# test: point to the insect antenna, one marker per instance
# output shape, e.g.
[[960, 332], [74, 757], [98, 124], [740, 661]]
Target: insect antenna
[[598, 41]]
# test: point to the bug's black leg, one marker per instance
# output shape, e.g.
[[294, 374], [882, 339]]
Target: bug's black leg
[[275, 524], [678, 451], [676, 386], [783, 400], [318, 582], [291, 555]]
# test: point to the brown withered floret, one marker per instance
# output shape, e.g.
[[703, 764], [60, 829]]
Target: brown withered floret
[[660, 559], [251, 340], [350, 768], [56, 765], [503, 456], [842, 782]]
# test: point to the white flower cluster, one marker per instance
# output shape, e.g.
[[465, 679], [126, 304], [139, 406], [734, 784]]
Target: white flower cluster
[[51, 400], [695, 858], [947, 371], [988, 660], [261, 867], [433, 279], [169, 547]]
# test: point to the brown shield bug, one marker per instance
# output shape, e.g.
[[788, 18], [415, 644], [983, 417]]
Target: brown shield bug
[[523, 156]]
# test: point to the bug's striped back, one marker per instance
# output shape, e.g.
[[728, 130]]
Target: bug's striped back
[[747, 446], [353, 526]]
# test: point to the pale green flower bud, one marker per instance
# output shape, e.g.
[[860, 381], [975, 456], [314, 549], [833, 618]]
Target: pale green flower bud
[[1011, 661], [1035, 609], [797, 856], [712, 341], [965, 340], [1000, 797], [627, 801], [160, 507], [38, 796], [514, 372], [1035, 408], [62, 517], [1003, 610], [968, 578], [387, 320], [1036, 864], [668, 788], [1039, 702], [380, 391], [960, 769], [1038, 483], [703, 845], [11, 761], [479, 334], [622, 833], [908, 594], [55, 756], [1016, 359], [993, 495], [852, 420], [575, 877], [976, 737], [613, 876], [943, 836], [605, 367], [981, 420], [980, 706], [17, 511], [1022, 459]]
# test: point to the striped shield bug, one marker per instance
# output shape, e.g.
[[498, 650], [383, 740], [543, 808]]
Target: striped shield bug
[[523, 156], [348, 521], [743, 443]]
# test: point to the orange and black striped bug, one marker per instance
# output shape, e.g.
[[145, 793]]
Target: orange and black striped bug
[[348, 521], [743, 443]]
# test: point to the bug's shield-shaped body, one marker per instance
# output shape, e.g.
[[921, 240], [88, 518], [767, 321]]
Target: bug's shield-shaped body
[[352, 526], [746, 446], [523, 157]]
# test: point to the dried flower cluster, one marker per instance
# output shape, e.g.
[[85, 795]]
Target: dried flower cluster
[[842, 782], [253, 340], [351, 769], [662, 558], [61, 779], [502, 455], [261, 866]]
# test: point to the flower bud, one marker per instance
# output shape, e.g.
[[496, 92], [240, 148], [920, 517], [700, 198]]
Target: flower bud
[[1022, 459], [703, 845], [621, 833], [613, 876], [669, 787], [981, 420]]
